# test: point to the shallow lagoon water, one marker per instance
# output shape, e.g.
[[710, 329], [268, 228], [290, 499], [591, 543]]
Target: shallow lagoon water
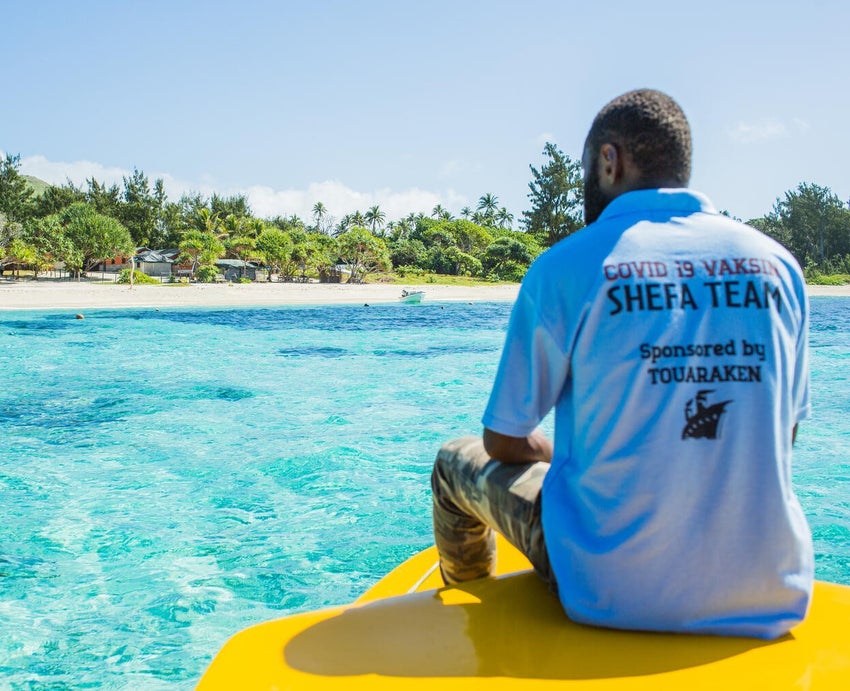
[[172, 477]]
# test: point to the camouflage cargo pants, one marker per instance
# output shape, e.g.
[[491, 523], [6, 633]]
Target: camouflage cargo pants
[[475, 495]]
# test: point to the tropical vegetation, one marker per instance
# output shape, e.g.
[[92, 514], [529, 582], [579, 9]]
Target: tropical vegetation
[[81, 226]]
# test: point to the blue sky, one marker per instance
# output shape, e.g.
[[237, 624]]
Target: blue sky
[[410, 104]]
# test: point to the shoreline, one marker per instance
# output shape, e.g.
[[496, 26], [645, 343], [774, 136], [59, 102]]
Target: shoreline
[[828, 291], [69, 295]]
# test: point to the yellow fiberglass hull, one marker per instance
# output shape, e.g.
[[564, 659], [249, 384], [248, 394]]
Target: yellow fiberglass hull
[[509, 632]]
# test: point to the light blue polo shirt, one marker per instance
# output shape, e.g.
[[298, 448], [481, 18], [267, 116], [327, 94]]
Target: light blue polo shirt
[[672, 343]]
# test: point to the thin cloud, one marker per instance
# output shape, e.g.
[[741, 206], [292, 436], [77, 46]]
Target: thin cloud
[[58, 172], [451, 168], [747, 132], [340, 199], [802, 126], [265, 202]]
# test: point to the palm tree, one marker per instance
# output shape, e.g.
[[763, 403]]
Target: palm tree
[[344, 224], [358, 219], [254, 227], [205, 221], [465, 212], [200, 247], [319, 212], [233, 225], [375, 218], [241, 246], [488, 204], [504, 217], [441, 213], [402, 228]]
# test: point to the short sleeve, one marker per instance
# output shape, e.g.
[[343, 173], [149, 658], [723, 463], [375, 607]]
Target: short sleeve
[[531, 374], [801, 387]]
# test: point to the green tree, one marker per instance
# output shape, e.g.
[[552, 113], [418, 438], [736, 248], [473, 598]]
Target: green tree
[[375, 219], [324, 252], [56, 198], [172, 224], [300, 255], [203, 220], [140, 209], [287, 223], [92, 237], [461, 263], [358, 219], [234, 226], [438, 236], [47, 236], [189, 205], [504, 218], [771, 225], [20, 254], [469, 237], [320, 216], [363, 252], [557, 198], [402, 228], [488, 207], [812, 222], [441, 213], [105, 200], [275, 247], [444, 240], [507, 259], [9, 230], [408, 252], [202, 248], [16, 195], [346, 222], [207, 273], [525, 239], [241, 247], [236, 205]]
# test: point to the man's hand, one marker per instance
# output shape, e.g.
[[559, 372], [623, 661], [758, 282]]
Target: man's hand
[[533, 448]]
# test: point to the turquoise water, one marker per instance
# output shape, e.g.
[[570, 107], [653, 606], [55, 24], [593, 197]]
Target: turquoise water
[[172, 477]]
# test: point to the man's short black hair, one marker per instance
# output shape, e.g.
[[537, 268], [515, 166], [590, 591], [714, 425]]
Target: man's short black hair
[[653, 130]]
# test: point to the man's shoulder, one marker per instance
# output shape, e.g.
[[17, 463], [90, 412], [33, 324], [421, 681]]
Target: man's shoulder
[[746, 237]]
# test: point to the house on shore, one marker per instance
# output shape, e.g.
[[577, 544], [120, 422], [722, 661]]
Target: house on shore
[[154, 263], [234, 269], [157, 263]]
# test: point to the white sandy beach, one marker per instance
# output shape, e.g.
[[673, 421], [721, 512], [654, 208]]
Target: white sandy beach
[[829, 291], [70, 295]]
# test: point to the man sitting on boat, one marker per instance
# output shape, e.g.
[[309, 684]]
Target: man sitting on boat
[[671, 342]]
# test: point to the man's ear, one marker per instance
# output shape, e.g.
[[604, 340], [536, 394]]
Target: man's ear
[[610, 164]]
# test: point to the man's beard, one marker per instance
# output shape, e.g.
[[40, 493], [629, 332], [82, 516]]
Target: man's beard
[[595, 200]]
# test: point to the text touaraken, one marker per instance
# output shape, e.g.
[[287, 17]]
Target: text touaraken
[[705, 375]]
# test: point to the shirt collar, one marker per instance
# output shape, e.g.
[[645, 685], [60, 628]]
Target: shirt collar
[[684, 201]]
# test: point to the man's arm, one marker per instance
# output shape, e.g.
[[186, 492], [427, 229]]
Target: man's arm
[[533, 448]]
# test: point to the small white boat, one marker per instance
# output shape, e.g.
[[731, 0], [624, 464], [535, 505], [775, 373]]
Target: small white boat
[[413, 297]]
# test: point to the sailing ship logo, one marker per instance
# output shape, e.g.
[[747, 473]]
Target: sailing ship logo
[[702, 420]]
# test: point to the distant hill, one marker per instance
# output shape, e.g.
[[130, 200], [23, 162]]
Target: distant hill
[[38, 185]]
